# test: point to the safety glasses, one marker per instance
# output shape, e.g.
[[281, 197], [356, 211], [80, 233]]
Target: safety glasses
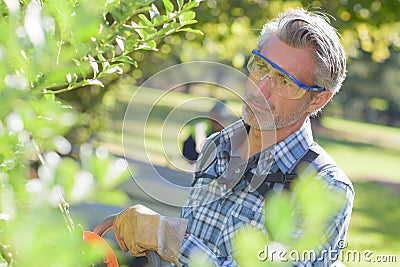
[[282, 83]]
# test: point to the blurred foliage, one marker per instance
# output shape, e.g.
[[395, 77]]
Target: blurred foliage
[[231, 29], [48, 48], [295, 221], [373, 94], [370, 32]]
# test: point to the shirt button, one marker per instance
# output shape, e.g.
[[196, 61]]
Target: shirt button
[[237, 170]]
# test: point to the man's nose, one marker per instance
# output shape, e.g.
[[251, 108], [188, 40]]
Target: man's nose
[[264, 86]]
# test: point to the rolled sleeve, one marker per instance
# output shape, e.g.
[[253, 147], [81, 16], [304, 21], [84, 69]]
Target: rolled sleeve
[[193, 249]]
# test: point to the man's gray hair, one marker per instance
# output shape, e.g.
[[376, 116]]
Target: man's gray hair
[[311, 30]]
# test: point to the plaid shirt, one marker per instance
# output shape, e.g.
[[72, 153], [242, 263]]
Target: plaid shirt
[[216, 208]]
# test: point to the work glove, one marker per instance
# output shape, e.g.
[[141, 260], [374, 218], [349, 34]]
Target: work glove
[[139, 228]]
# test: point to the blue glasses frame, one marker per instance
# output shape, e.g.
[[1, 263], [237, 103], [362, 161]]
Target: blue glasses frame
[[297, 82]]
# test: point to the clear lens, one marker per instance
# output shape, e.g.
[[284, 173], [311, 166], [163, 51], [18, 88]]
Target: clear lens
[[281, 84]]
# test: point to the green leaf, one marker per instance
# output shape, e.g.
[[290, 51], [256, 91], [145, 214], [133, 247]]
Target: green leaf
[[180, 3], [314, 205], [114, 68], [172, 27], [147, 32], [93, 82], [65, 173], [126, 59], [103, 61], [72, 78], [49, 97], [247, 242], [188, 15], [145, 21], [143, 2], [161, 20], [190, 30], [169, 7], [188, 22], [139, 11], [191, 5], [315, 198], [280, 221], [131, 42], [115, 197], [149, 45], [114, 172]]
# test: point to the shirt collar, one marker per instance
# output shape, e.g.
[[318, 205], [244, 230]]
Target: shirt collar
[[286, 153], [232, 135], [230, 139]]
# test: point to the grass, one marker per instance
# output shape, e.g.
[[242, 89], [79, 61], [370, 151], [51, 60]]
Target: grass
[[369, 154], [374, 224], [364, 151]]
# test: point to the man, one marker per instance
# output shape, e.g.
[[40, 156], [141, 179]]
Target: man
[[297, 68]]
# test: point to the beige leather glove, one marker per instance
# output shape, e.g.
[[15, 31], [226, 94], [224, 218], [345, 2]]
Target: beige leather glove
[[139, 228]]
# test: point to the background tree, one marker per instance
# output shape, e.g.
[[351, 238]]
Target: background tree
[[370, 33]]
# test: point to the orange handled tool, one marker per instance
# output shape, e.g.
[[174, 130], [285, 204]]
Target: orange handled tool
[[95, 238]]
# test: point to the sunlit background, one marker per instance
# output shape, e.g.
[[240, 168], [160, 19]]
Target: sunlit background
[[68, 70]]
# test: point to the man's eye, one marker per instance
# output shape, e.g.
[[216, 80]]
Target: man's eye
[[260, 64], [263, 67], [284, 80]]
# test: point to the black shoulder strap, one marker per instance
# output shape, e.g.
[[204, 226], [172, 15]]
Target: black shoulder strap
[[280, 177], [207, 156]]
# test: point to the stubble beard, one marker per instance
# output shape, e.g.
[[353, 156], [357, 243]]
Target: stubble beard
[[271, 120]]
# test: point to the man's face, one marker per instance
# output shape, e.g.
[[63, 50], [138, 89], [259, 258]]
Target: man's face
[[263, 108]]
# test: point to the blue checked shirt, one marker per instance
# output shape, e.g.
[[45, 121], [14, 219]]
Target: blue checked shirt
[[217, 208]]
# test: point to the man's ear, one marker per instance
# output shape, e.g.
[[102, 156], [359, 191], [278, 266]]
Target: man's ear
[[319, 100]]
